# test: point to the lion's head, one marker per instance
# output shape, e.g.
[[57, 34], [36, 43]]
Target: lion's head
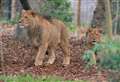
[[28, 27], [25, 24], [27, 18], [94, 35]]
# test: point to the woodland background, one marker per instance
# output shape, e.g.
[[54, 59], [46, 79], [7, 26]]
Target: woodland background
[[77, 15]]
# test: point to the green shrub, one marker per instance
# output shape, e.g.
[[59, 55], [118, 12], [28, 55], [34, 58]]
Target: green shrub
[[60, 9], [111, 61], [72, 27], [108, 52], [88, 57], [89, 54]]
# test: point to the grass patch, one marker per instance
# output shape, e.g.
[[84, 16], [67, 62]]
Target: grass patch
[[30, 78]]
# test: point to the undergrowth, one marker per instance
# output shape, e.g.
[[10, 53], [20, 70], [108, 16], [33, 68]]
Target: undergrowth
[[30, 78], [108, 52]]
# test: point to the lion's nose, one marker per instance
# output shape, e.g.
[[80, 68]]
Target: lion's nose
[[20, 21], [94, 40]]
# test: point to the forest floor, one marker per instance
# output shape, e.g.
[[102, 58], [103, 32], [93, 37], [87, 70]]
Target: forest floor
[[18, 59]]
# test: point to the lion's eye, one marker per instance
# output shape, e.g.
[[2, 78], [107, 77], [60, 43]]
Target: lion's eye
[[26, 17]]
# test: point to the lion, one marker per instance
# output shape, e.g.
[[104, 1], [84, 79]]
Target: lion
[[46, 35], [93, 35]]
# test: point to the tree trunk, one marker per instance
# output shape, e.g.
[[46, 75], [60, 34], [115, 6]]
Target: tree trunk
[[78, 18], [115, 20], [99, 15], [108, 18], [0, 8], [78, 13], [25, 4], [13, 9], [7, 9]]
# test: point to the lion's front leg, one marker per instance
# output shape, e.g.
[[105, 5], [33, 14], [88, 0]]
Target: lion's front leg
[[40, 55]]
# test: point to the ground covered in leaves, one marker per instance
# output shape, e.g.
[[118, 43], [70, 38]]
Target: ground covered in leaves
[[19, 59]]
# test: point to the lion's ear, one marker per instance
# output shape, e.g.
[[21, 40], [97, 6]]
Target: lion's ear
[[89, 29], [32, 13], [101, 30], [23, 11]]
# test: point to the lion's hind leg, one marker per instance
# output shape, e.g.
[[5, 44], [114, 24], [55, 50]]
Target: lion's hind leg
[[51, 53], [40, 55], [65, 47]]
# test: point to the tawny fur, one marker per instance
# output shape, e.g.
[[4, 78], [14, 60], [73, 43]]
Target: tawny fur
[[46, 35], [93, 36]]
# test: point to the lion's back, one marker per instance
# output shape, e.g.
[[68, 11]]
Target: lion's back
[[42, 30]]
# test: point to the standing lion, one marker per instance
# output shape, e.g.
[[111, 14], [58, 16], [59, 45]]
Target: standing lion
[[45, 35]]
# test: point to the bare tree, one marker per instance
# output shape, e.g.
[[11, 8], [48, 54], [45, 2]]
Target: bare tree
[[0, 8], [7, 9], [25, 4], [13, 9], [108, 18], [115, 20], [78, 17], [99, 15], [78, 13]]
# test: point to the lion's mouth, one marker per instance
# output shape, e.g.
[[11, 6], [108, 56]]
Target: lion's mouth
[[21, 26], [94, 41]]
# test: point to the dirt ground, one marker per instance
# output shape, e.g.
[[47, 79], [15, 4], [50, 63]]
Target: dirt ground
[[19, 59]]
